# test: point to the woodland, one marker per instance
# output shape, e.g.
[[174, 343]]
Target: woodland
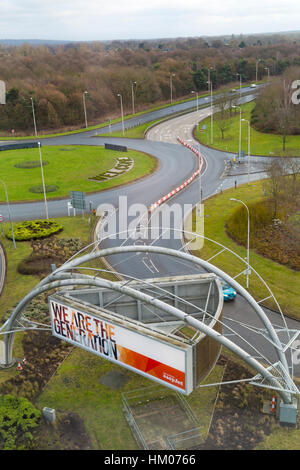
[[53, 78]]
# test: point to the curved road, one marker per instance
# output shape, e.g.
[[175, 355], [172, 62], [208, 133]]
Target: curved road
[[177, 163]]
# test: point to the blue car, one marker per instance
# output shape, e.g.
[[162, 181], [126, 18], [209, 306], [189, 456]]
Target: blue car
[[228, 292]]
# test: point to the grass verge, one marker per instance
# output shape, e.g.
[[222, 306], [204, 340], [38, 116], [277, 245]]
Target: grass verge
[[260, 143], [283, 282]]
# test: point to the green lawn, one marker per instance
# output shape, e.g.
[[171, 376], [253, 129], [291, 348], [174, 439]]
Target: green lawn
[[101, 407], [69, 168], [260, 143], [284, 282]]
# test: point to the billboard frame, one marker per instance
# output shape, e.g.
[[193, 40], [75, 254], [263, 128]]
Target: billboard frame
[[138, 329]]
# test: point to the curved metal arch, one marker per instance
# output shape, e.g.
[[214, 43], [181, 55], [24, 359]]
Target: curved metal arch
[[188, 257], [91, 281]]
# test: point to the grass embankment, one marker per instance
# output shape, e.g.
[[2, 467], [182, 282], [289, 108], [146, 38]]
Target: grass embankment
[[283, 282], [68, 168], [260, 143]]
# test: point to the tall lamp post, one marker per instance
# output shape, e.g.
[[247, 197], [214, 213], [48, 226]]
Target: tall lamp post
[[240, 134], [246, 120], [132, 96], [171, 85], [33, 115], [248, 239], [256, 68], [240, 75], [268, 69], [122, 116], [208, 75], [9, 214], [84, 107], [43, 181], [196, 93], [211, 114]]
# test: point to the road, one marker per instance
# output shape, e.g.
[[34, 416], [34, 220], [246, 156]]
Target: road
[[177, 163]]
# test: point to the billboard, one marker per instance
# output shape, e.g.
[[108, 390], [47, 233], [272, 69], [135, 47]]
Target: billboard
[[2, 92], [126, 343]]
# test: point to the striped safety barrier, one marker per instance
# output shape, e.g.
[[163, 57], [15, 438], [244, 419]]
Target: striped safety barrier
[[273, 404], [183, 185]]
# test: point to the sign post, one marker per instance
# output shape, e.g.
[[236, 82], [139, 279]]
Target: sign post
[[78, 200]]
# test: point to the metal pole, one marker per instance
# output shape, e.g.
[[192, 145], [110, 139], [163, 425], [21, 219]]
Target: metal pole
[[248, 150], [84, 107], [248, 239], [256, 71], [122, 117], [44, 189], [211, 117], [132, 94], [171, 85], [33, 114], [240, 133], [9, 214], [196, 93]]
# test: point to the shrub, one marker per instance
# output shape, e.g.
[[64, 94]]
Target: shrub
[[34, 229], [31, 164], [49, 188], [18, 418]]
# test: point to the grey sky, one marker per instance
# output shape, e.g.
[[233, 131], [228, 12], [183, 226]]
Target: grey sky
[[143, 19]]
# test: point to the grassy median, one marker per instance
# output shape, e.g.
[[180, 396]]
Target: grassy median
[[260, 143], [66, 168]]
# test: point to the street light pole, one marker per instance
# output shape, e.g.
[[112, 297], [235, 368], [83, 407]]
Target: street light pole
[[268, 69], [33, 115], [84, 107], [122, 116], [245, 120], [44, 189], [211, 115], [240, 134], [248, 239], [9, 214], [239, 74], [196, 93], [132, 95], [256, 68], [171, 85]]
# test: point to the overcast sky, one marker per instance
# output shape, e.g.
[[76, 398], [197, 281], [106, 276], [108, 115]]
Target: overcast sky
[[92, 20]]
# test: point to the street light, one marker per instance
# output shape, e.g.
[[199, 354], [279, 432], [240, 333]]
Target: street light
[[246, 120], [44, 189], [239, 74], [196, 93], [267, 68], [132, 94], [33, 115], [9, 214], [171, 85], [208, 75], [84, 107], [240, 135], [256, 68], [248, 239], [122, 116], [211, 115]]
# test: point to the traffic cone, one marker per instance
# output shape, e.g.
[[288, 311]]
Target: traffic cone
[[19, 366]]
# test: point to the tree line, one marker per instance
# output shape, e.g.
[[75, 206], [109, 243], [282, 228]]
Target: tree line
[[53, 79]]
